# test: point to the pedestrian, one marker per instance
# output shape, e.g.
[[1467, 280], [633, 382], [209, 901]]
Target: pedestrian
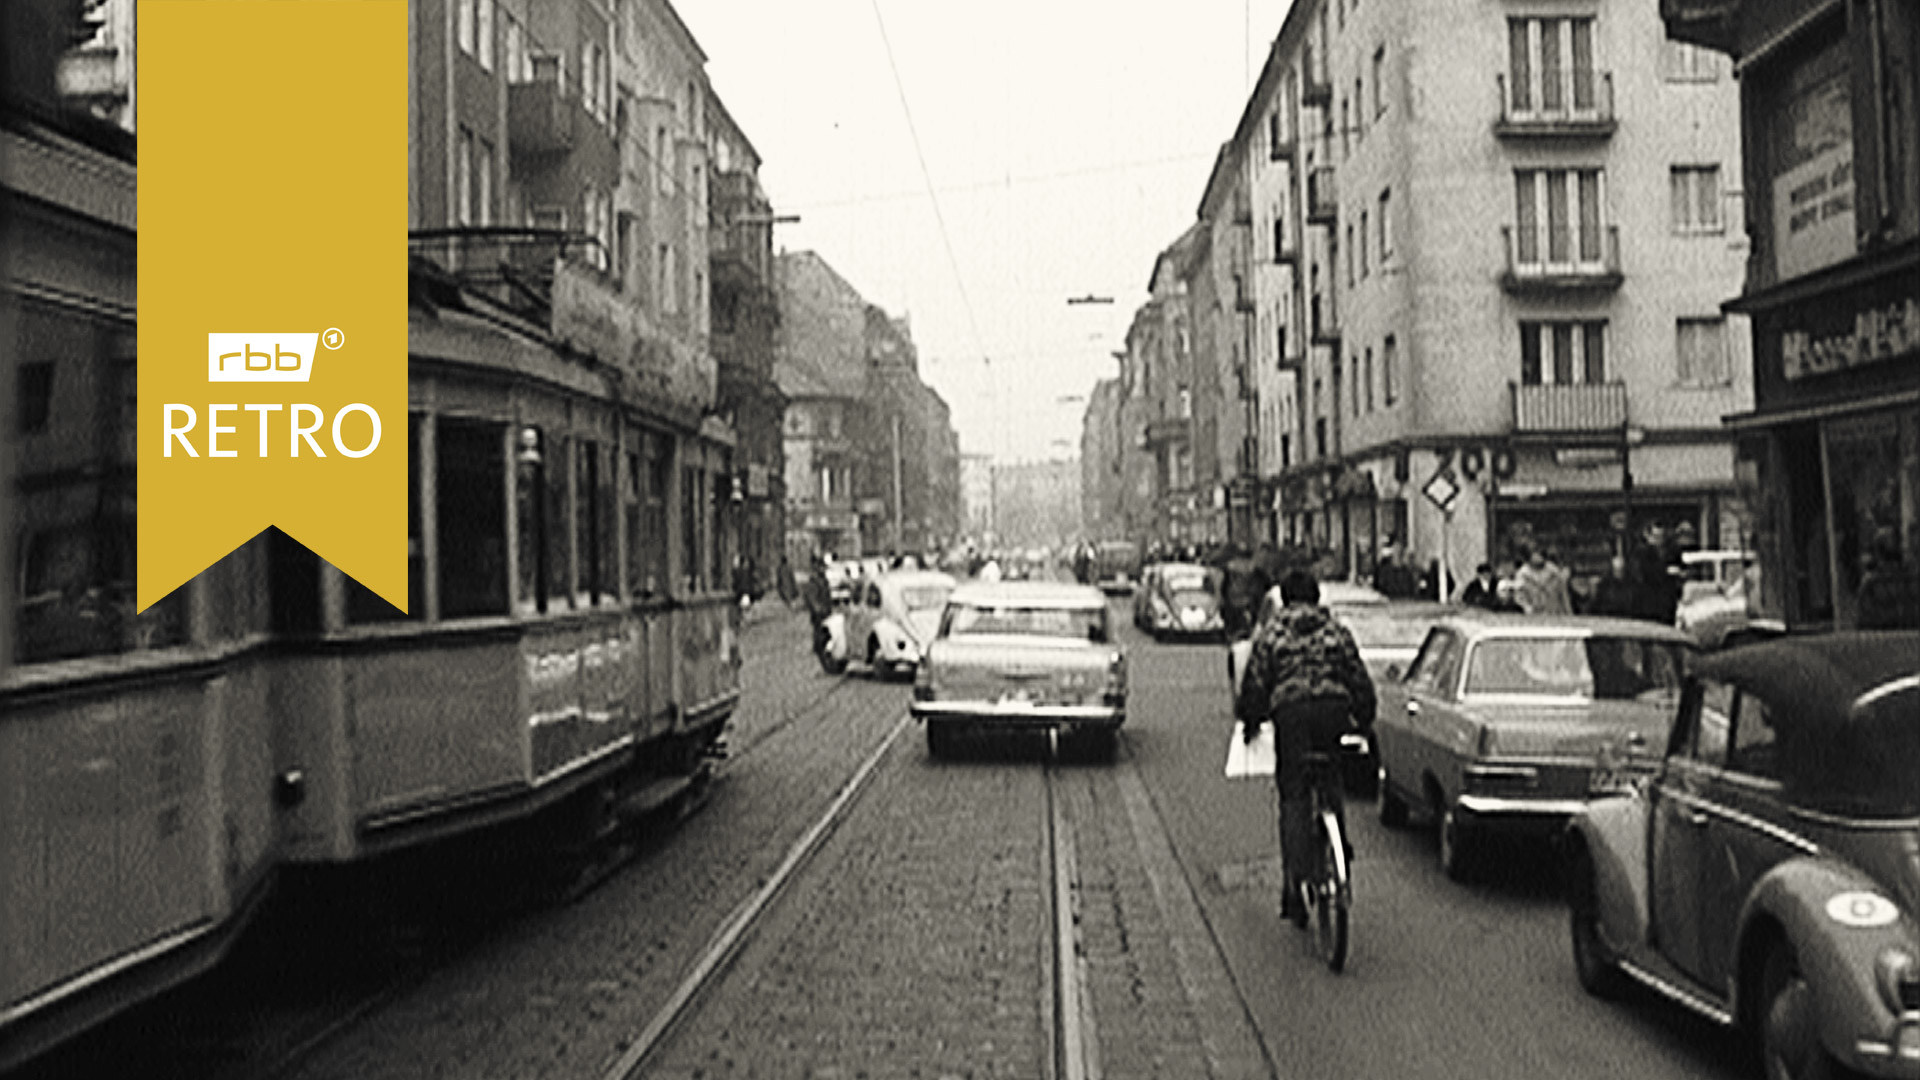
[[818, 595], [1654, 577], [1540, 585], [1305, 676], [788, 588], [1484, 590]]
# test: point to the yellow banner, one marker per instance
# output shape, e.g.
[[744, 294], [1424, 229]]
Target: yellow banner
[[273, 284]]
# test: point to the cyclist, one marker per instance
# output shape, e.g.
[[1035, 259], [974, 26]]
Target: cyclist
[[1306, 677]]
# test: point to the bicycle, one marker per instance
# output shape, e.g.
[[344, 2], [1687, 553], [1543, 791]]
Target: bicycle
[[1328, 892]]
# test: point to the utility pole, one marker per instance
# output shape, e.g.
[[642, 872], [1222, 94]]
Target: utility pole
[[899, 523]]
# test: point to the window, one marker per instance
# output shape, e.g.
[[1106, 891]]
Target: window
[[1280, 343], [469, 462], [663, 290], [484, 51], [1350, 264], [1279, 237], [1353, 379], [1388, 358], [1346, 129], [1684, 62], [35, 396], [1362, 246], [463, 25], [1359, 110], [1696, 198], [589, 523], [1366, 376], [1386, 231], [1550, 66], [519, 63], [1558, 217], [1700, 352], [463, 178], [1755, 750], [1379, 82], [693, 503], [363, 604], [1562, 353], [483, 182]]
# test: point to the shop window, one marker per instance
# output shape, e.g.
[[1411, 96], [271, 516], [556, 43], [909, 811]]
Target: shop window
[[1876, 554], [470, 517]]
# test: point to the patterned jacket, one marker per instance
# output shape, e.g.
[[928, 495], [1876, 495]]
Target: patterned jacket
[[1301, 653]]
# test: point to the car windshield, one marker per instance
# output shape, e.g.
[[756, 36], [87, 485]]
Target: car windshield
[[1595, 668], [966, 620], [924, 597], [1379, 631]]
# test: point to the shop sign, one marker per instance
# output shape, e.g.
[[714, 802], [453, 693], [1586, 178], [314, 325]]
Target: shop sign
[[1813, 191], [1878, 333]]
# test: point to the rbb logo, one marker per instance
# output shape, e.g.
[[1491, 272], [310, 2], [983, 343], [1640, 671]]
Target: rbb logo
[[265, 357], [268, 358]]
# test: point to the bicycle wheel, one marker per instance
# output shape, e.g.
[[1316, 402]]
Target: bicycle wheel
[[1331, 894]]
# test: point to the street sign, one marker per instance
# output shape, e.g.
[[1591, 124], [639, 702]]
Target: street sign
[[1442, 489]]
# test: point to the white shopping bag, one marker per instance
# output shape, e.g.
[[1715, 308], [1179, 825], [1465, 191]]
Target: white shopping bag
[[1254, 758]]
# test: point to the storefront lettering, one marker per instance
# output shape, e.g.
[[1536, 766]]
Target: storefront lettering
[[1877, 334]]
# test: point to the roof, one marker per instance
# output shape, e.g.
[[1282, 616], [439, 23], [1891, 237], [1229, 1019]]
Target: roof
[[908, 578], [1820, 678], [820, 349], [1479, 623], [1038, 594]]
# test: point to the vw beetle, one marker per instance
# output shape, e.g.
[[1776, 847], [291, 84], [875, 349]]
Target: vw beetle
[[1766, 873], [894, 616]]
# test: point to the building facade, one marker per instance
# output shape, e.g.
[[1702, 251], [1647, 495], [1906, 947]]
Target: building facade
[[1830, 453], [1101, 467], [1501, 279]]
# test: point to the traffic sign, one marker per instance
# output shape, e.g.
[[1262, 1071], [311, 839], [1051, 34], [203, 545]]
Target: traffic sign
[[1442, 489]]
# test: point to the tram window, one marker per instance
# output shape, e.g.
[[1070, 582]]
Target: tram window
[[74, 499], [365, 605], [722, 492], [470, 517], [654, 551], [690, 510], [591, 524], [558, 548]]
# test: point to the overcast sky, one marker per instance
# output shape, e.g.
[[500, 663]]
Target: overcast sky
[[1067, 143]]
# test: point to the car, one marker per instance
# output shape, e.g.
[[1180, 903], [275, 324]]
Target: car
[[894, 617], [1179, 599], [1766, 873], [842, 576], [1713, 598], [1335, 595], [1116, 564], [1023, 656], [1389, 635], [1501, 721]]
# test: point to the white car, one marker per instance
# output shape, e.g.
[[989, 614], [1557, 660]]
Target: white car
[[894, 616]]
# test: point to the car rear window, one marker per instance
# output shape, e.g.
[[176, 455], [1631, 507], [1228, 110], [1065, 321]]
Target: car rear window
[[1381, 632], [963, 620], [1187, 581], [1596, 668], [924, 597]]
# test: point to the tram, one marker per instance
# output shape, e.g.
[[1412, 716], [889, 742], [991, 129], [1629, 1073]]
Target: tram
[[568, 658]]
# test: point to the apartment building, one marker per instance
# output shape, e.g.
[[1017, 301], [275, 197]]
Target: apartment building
[[1486, 249]]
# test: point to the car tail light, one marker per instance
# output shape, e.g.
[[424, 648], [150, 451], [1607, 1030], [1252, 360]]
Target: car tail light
[[1898, 974], [923, 681], [1116, 678], [1502, 777]]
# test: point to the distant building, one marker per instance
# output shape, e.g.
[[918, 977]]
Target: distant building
[[1036, 503], [976, 493], [1101, 466]]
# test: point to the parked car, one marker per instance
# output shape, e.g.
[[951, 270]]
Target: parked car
[[896, 616], [1390, 635], [1767, 875], [1713, 597], [1033, 656], [1179, 599], [1501, 721], [1116, 565]]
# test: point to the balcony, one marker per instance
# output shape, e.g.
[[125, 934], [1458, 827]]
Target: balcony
[[1570, 104], [1543, 275], [1166, 430], [1322, 196], [1544, 409], [546, 118]]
